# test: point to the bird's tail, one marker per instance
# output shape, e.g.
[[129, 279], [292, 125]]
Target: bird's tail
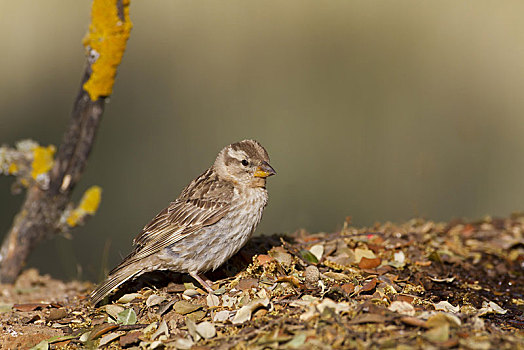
[[113, 281]]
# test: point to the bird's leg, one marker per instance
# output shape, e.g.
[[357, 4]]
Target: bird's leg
[[204, 283]]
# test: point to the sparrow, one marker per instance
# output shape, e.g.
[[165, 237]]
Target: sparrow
[[209, 222]]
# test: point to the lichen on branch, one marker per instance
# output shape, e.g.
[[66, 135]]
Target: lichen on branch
[[88, 206], [106, 43], [28, 161], [42, 160], [49, 178]]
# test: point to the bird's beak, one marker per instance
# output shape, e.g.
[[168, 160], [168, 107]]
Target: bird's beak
[[264, 170]]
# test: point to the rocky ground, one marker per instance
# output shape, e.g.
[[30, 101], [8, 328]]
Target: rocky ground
[[419, 285]]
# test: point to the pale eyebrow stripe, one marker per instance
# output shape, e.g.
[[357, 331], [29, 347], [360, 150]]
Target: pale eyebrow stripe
[[239, 155]]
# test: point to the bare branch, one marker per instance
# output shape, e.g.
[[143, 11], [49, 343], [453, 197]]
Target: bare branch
[[42, 213]]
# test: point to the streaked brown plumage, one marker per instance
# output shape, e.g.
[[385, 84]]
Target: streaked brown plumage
[[211, 220]]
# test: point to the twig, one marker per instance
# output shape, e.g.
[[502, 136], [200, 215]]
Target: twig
[[43, 206]]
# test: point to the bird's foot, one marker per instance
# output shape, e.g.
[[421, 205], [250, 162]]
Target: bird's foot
[[203, 280]]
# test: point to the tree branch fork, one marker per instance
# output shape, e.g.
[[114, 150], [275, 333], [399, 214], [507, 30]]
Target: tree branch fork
[[47, 209]]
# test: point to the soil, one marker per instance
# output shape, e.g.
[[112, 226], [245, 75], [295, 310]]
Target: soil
[[416, 285]]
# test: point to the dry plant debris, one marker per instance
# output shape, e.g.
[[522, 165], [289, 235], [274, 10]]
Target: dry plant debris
[[419, 285]]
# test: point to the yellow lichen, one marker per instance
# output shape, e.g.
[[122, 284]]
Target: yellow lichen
[[73, 218], [42, 160], [91, 200], [13, 169], [106, 42], [88, 206]]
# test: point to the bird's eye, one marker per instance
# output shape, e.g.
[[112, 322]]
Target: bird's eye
[[245, 162]]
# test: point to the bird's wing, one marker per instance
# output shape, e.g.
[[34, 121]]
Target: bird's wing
[[204, 202]]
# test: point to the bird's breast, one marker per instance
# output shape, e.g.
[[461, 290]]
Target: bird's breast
[[211, 246]]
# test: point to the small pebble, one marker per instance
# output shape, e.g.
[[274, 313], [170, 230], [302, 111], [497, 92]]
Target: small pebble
[[312, 275]]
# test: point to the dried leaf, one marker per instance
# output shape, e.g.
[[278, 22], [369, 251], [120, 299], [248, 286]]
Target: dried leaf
[[363, 253], [348, 288], [476, 343], [61, 338], [197, 315], [189, 293], [438, 334], [189, 285], [440, 280], [309, 314], [228, 301], [108, 338], [368, 318], [184, 343], [165, 307], [383, 269], [289, 279], [317, 250], [151, 328], [477, 324], [154, 299], [342, 259], [367, 263], [113, 310], [259, 313], [399, 258], [157, 344], [310, 258], [43, 345], [32, 319], [336, 307], [310, 298], [101, 329], [184, 307], [491, 307], [84, 337], [434, 256], [30, 306], [191, 328], [206, 330], [446, 307], [56, 314], [244, 314], [297, 342], [220, 291], [264, 259], [5, 307], [404, 297], [221, 316], [414, 321], [369, 286], [127, 298], [129, 338], [402, 308], [127, 317], [175, 288], [283, 257], [337, 276], [442, 318], [212, 300], [161, 330], [247, 283]]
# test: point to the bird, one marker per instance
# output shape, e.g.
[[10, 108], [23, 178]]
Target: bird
[[212, 218]]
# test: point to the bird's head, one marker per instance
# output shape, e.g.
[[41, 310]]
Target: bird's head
[[245, 162]]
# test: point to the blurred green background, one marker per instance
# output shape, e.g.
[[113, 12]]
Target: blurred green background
[[380, 110]]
